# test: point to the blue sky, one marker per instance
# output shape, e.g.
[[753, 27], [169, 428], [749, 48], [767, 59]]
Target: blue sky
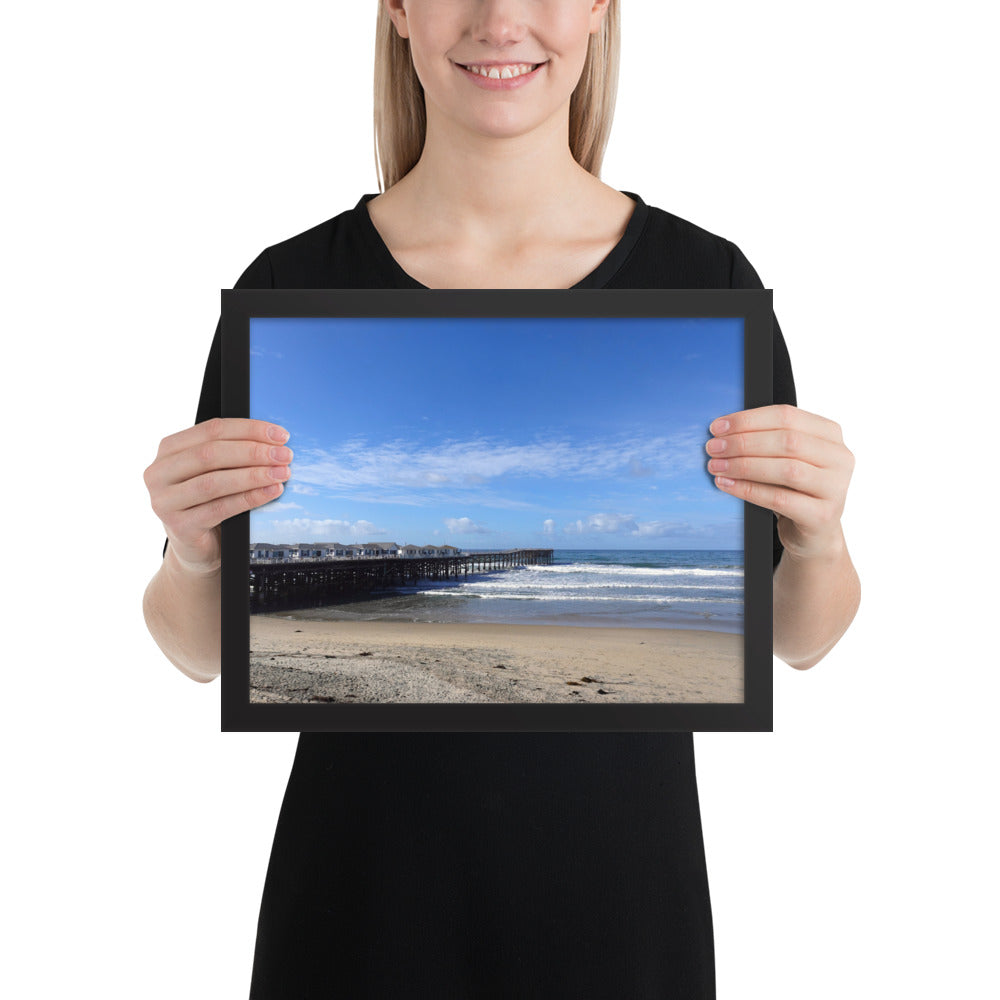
[[497, 432]]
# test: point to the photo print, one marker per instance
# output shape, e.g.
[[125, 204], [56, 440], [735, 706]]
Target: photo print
[[498, 516]]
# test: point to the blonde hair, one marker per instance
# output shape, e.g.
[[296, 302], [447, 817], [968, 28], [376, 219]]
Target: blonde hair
[[401, 118]]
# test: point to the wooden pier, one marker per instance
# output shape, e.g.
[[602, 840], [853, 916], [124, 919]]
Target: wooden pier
[[284, 586]]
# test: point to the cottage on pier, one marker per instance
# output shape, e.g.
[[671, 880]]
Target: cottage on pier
[[268, 550], [376, 550]]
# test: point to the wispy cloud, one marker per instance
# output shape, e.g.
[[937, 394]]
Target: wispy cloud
[[328, 529], [661, 529], [426, 469], [434, 498], [309, 491], [464, 526], [549, 526], [277, 506], [626, 525], [604, 524]]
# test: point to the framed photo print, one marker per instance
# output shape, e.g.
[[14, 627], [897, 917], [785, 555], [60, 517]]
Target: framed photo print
[[499, 516]]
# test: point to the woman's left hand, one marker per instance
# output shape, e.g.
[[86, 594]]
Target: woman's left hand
[[790, 461]]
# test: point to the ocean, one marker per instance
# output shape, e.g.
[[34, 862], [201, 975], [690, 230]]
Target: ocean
[[641, 588]]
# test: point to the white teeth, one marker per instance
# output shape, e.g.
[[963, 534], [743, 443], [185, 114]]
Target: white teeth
[[505, 73]]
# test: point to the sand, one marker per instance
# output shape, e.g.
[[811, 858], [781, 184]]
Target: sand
[[402, 662]]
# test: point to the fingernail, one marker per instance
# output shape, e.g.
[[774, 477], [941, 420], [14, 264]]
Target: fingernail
[[723, 481], [277, 433], [716, 446], [719, 427], [718, 465], [283, 455], [279, 472]]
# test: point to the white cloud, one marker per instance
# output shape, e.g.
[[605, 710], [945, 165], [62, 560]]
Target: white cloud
[[437, 499], [626, 524], [549, 526], [276, 506], [392, 465], [659, 529], [464, 526], [604, 524], [309, 491], [310, 529]]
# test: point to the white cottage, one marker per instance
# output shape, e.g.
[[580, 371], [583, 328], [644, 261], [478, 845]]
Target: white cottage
[[378, 550], [283, 553]]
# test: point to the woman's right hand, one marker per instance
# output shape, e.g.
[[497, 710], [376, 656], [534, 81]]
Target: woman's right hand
[[207, 473]]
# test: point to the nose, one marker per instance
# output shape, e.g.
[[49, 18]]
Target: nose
[[499, 22]]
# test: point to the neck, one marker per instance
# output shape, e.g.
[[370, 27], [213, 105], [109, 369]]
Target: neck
[[495, 190]]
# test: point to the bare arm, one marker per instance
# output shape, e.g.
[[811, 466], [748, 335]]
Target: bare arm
[[182, 611], [795, 463], [815, 600], [200, 477]]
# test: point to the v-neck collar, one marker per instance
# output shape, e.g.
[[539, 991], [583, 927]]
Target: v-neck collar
[[597, 278]]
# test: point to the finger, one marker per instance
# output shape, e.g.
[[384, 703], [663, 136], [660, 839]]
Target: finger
[[217, 485], [802, 509], [789, 473], [196, 521], [214, 456], [780, 416], [223, 429], [786, 443]]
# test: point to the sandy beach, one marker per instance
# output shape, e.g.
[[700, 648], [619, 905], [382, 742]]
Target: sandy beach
[[404, 662]]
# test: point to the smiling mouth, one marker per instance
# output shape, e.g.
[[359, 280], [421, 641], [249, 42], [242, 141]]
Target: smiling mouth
[[507, 71]]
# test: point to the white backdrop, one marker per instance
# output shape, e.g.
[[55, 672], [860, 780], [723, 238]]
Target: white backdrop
[[154, 150]]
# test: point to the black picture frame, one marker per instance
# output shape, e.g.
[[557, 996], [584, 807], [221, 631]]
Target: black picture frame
[[754, 714]]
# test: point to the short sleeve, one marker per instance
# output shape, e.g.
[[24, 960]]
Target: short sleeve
[[744, 276], [257, 275]]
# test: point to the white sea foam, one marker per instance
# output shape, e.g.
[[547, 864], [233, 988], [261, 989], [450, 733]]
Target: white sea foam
[[554, 587], [521, 596], [609, 569], [676, 593]]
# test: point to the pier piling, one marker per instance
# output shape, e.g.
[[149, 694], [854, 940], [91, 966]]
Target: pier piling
[[282, 585]]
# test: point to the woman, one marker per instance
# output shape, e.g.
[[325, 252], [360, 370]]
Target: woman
[[495, 864]]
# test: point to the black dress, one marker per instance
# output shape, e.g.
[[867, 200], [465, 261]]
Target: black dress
[[497, 865]]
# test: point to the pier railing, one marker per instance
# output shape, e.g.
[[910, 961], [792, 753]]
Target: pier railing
[[311, 583]]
